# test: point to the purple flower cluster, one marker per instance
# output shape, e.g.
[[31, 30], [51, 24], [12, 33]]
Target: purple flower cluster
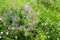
[[27, 9]]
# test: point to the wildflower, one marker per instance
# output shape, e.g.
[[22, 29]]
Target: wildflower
[[16, 37], [16, 26], [8, 28], [48, 36], [24, 29], [28, 28], [12, 28], [47, 32], [1, 32], [14, 17], [0, 18], [0, 36], [57, 38], [7, 33], [27, 8]]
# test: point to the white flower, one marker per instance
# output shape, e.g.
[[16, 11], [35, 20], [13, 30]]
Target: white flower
[[0, 36], [1, 32], [8, 28], [47, 32], [48, 36], [24, 29], [12, 28], [58, 39], [0, 18], [15, 36], [28, 28], [7, 33]]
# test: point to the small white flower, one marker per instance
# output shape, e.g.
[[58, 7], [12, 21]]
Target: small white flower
[[7, 33], [28, 28], [1, 32], [58, 39], [47, 32], [24, 29], [12, 28], [0, 18], [0, 36], [16, 37], [48, 36], [8, 28]]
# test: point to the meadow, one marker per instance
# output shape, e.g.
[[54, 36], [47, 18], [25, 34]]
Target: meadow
[[29, 19]]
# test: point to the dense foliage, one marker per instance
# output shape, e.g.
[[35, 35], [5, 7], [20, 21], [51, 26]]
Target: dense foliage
[[29, 19]]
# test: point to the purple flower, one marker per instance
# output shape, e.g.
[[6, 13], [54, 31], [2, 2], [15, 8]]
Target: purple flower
[[14, 17], [16, 26], [26, 8]]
